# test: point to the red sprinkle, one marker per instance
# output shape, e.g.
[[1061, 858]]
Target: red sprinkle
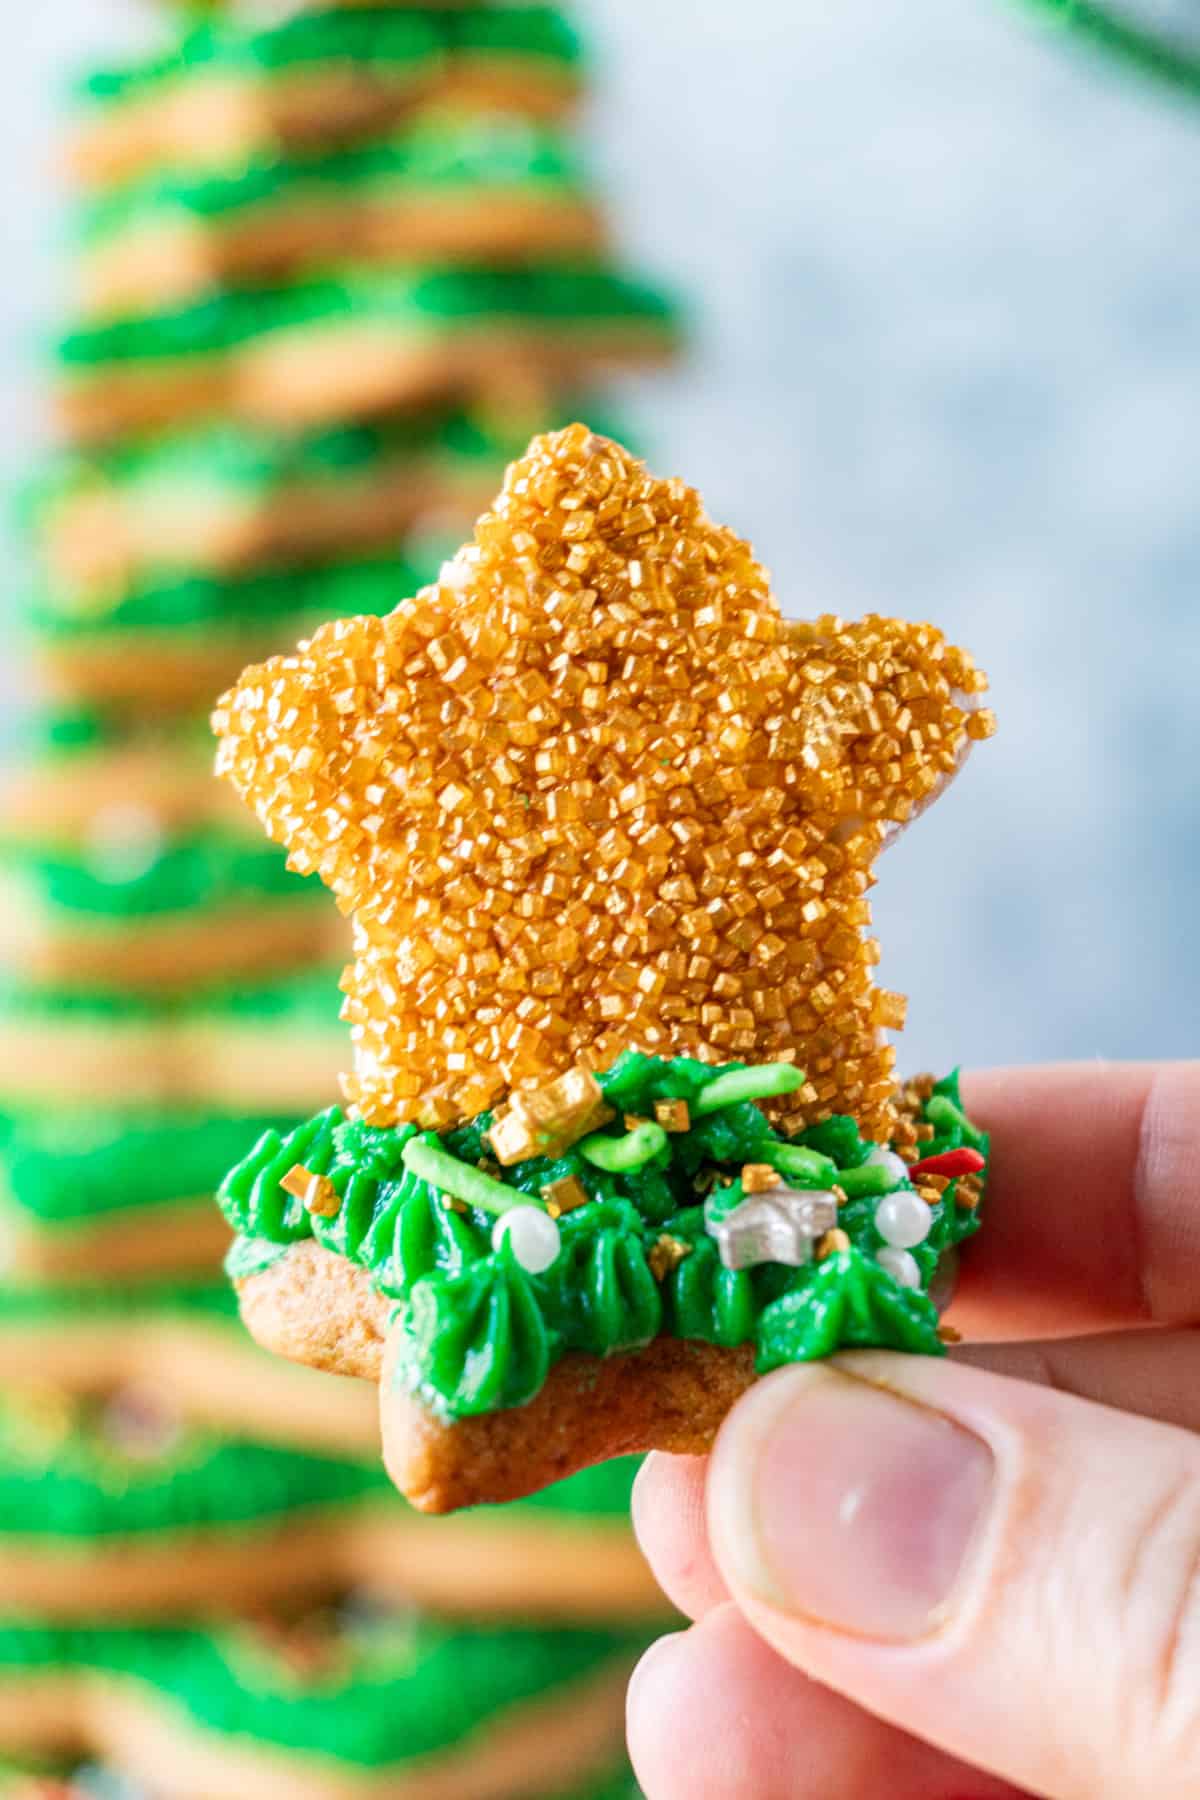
[[950, 1163]]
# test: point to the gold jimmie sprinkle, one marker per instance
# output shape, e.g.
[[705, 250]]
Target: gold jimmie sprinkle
[[591, 791]]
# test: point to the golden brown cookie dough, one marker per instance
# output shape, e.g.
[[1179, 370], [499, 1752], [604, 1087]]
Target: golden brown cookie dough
[[162, 265], [57, 800], [185, 1237], [670, 1396], [545, 1566], [306, 375], [148, 671], [164, 955], [541, 1747], [100, 541], [320, 1309], [207, 1370], [227, 119], [224, 1063], [196, 1572]]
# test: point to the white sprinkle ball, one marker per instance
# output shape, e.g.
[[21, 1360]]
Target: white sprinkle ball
[[533, 1234], [903, 1219], [895, 1165], [900, 1266]]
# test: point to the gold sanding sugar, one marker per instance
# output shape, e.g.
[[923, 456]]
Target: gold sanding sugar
[[591, 792]]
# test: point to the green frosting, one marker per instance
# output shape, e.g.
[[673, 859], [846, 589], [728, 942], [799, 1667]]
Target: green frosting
[[512, 31], [478, 155], [35, 1004], [60, 734], [68, 1166], [16, 1773], [241, 461], [22, 1778], [440, 300], [218, 469], [202, 871], [84, 1472], [52, 1304], [302, 1000], [276, 600], [250, 1256], [375, 36], [371, 1692], [479, 1333], [401, 36]]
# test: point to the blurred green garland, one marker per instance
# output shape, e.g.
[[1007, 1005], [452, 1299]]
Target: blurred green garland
[[1155, 53]]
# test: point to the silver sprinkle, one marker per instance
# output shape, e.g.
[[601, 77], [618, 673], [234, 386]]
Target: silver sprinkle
[[781, 1225]]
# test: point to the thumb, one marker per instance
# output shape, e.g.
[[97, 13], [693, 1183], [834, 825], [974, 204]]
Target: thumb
[[1005, 1571]]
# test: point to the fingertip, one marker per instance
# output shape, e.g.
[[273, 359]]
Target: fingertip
[[690, 1734], [1089, 1224], [647, 1484], [654, 1676], [839, 1500], [928, 1538], [744, 1438], [657, 1681], [669, 1519], [716, 1714]]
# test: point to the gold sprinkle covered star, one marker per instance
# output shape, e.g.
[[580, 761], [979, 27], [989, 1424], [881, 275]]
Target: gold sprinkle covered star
[[591, 791]]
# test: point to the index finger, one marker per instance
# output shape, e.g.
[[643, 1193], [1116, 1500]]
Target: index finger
[[1093, 1203]]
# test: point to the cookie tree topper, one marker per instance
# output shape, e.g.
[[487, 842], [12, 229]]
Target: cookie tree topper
[[591, 792]]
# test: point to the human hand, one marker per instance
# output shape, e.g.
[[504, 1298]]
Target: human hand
[[906, 1572]]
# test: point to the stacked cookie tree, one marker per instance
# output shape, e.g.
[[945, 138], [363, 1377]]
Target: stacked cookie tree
[[331, 271]]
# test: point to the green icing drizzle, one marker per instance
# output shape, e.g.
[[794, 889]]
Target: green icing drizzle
[[626, 1155], [65, 1167], [204, 870], [479, 155], [389, 36], [439, 299], [375, 1693], [480, 1333], [440, 1169]]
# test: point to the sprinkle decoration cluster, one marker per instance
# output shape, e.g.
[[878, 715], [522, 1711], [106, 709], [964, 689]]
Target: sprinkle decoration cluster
[[683, 1214], [590, 792]]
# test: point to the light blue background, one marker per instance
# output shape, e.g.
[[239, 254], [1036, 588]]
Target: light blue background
[[947, 364]]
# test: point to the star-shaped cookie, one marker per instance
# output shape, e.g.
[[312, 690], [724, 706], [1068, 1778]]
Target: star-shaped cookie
[[591, 792]]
